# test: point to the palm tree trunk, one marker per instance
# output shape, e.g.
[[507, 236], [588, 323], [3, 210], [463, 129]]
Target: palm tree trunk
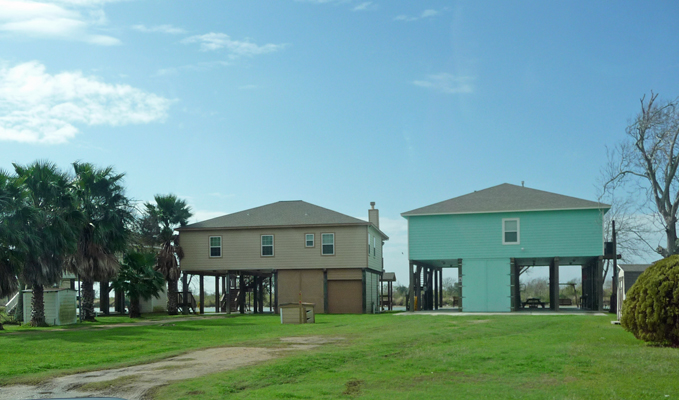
[[88, 300], [172, 294], [135, 309], [38, 305]]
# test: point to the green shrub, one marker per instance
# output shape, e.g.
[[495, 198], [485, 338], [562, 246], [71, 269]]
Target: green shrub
[[651, 309]]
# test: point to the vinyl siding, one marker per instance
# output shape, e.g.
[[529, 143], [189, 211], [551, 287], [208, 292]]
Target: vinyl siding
[[486, 285], [542, 234], [374, 258], [241, 249], [60, 306], [371, 292]]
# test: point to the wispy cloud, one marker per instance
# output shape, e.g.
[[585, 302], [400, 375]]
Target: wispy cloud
[[447, 83], [365, 6], [36, 107], [424, 14], [172, 30], [66, 20], [216, 41]]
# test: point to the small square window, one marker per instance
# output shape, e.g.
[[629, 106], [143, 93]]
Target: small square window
[[309, 240], [215, 246], [510, 231], [267, 246], [328, 244]]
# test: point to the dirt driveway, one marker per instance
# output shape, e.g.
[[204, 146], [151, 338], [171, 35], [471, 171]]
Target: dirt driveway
[[134, 382]]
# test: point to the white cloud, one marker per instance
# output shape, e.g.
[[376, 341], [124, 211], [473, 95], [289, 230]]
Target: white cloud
[[65, 20], [447, 83], [36, 107], [365, 6], [215, 41], [428, 13], [203, 215], [159, 29]]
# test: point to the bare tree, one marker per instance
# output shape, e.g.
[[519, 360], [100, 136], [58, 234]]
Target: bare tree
[[646, 164]]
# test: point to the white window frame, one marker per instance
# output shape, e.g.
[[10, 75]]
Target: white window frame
[[323, 244], [210, 246], [368, 243], [261, 246], [306, 240], [374, 246], [518, 231]]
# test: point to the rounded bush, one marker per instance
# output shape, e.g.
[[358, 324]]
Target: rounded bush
[[651, 309]]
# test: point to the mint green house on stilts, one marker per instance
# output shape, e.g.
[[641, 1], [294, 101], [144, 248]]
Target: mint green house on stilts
[[491, 234]]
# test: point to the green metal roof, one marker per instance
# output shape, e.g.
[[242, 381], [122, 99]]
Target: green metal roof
[[279, 214], [505, 198]]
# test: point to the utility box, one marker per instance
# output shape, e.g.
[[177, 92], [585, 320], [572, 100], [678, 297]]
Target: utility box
[[297, 313]]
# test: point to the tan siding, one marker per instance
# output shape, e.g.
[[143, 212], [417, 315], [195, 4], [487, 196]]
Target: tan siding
[[241, 249], [375, 258], [345, 274], [311, 282], [345, 297]]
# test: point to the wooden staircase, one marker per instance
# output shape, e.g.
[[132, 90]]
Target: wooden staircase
[[191, 302]]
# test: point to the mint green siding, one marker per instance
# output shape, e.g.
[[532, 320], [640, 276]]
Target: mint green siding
[[542, 234], [486, 285]]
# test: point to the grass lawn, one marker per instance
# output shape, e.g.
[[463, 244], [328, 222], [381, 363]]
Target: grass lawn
[[384, 356]]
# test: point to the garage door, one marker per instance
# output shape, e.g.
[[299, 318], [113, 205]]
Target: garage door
[[345, 297]]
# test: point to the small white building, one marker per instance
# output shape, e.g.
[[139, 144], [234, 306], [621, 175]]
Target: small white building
[[627, 275], [60, 306], [154, 304]]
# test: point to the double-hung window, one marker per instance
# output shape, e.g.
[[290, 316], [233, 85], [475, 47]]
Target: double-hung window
[[374, 247], [511, 233], [215, 246], [309, 240], [368, 244], [327, 244], [267, 245]]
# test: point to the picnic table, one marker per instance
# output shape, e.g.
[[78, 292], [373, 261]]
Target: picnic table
[[533, 302]]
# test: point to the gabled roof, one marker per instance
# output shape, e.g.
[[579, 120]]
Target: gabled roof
[[633, 267], [504, 198], [279, 214]]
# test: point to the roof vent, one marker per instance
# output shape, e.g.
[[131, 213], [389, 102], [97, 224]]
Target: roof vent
[[522, 184]]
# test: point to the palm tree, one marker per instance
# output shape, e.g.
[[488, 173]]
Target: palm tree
[[10, 244], [48, 230], [169, 212], [106, 213], [138, 279]]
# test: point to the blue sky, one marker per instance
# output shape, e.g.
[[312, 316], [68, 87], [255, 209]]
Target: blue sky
[[236, 104]]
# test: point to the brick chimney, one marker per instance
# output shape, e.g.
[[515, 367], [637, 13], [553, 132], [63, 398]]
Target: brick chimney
[[374, 215]]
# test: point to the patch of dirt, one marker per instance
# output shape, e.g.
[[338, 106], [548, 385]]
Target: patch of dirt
[[134, 382], [353, 387], [479, 321]]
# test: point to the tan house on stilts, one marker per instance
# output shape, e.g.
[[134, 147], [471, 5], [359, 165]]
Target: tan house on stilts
[[287, 249]]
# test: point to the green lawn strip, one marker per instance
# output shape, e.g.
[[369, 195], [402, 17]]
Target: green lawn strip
[[382, 356], [465, 357]]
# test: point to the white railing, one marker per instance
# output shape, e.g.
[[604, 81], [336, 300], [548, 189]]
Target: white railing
[[11, 305]]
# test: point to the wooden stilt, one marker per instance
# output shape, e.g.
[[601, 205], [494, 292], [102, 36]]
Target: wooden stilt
[[202, 293], [185, 294], [436, 289], [411, 287], [217, 294], [440, 287], [227, 292], [104, 291]]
